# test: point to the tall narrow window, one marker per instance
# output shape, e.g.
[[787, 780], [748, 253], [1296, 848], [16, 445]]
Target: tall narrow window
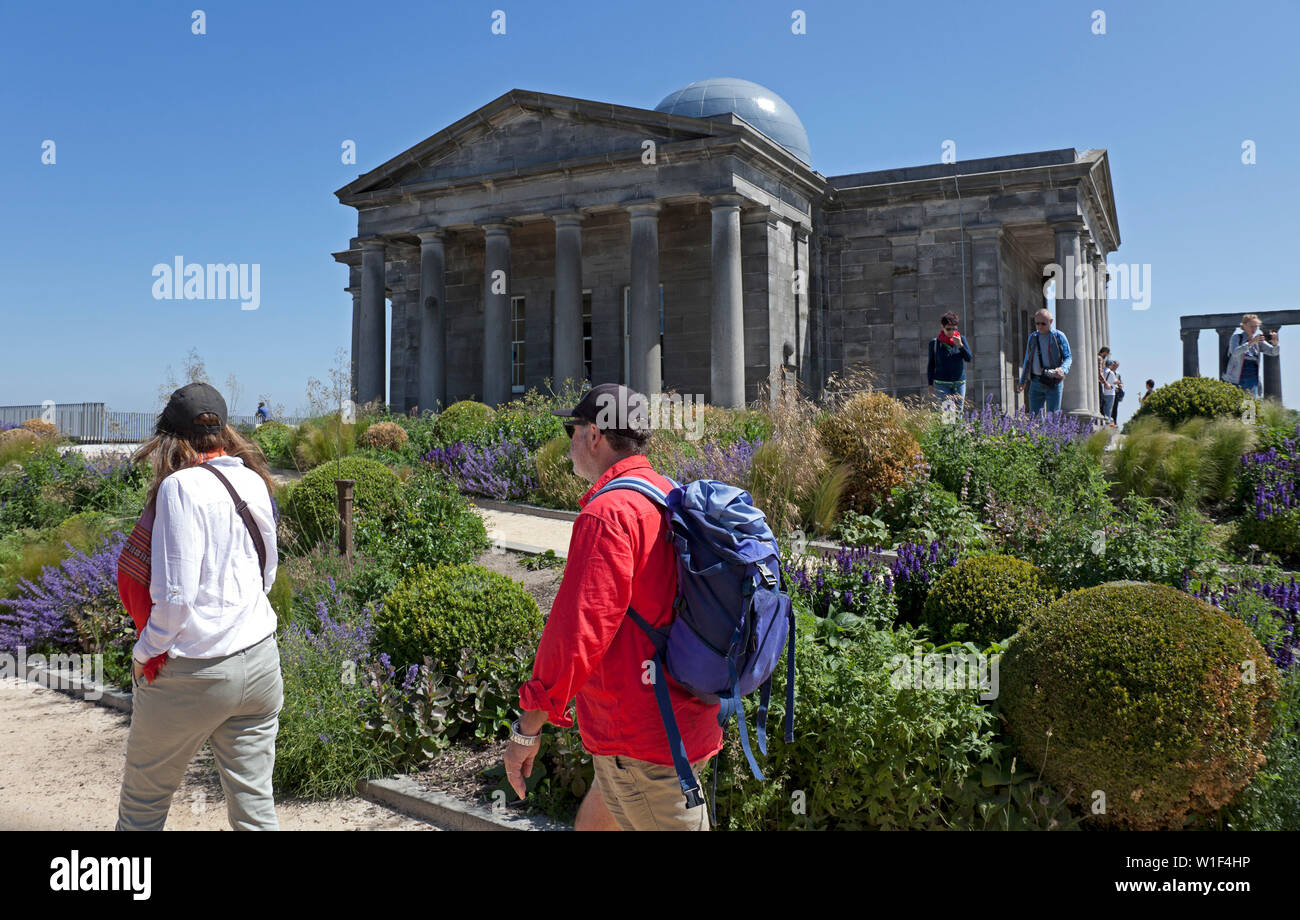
[[586, 335], [627, 332], [517, 356]]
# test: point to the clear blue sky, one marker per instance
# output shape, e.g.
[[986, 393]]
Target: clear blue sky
[[225, 147]]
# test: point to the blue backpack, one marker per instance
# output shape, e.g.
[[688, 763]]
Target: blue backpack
[[732, 614]]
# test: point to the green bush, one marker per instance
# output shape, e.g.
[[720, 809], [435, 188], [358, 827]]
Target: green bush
[[1272, 801], [465, 421], [311, 506], [383, 435], [558, 486], [438, 612], [320, 440], [1189, 397], [984, 599], [433, 524], [276, 441], [865, 753], [1198, 461], [281, 598], [922, 511], [1144, 693], [870, 433]]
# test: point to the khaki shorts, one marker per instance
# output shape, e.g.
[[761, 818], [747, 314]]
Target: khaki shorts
[[644, 796]]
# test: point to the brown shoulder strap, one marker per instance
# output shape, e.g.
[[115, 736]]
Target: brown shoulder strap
[[241, 507]]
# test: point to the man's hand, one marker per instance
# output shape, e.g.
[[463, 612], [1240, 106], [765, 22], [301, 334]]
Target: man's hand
[[519, 757]]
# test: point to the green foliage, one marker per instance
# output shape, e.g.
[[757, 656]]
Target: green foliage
[[312, 505], [17, 444], [276, 441], [1189, 397], [727, 426], [322, 439], [1008, 795], [870, 433], [464, 421], [1137, 690], [865, 754], [48, 487], [922, 511], [25, 553], [528, 419], [855, 529], [438, 612], [1198, 461], [546, 560], [984, 599], [432, 524], [1272, 801], [383, 435], [557, 485], [323, 749], [281, 598]]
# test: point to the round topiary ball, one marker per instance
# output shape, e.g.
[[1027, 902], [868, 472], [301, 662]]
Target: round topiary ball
[[1189, 397], [384, 436], [462, 421], [984, 599], [870, 434], [438, 612], [43, 428], [1140, 697], [312, 505]]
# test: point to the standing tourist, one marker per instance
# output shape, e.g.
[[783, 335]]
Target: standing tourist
[[194, 576], [1047, 361], [1244, 351], [949, 355]]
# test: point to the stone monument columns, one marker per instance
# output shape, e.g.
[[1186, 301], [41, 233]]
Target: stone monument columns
[[1088, 314], [497, 356], [727, 374], [567, 351], [643, 313], [1191, 352], [370, 325], [1070, 321], [432, 312], [1225, 336], [1271, 372]]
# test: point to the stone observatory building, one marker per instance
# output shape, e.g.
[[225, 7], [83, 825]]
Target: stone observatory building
[[693, 247]]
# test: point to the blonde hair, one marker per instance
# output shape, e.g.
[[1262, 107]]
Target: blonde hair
[[1251, 318], [171, 452]]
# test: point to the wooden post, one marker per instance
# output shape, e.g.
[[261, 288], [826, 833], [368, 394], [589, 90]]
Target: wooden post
[[344, 487]]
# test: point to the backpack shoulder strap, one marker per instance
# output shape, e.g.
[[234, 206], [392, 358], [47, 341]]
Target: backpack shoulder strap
[[636, 484], [241, 508]]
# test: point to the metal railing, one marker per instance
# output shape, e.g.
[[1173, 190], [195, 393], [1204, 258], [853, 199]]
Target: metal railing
[[92, 423]]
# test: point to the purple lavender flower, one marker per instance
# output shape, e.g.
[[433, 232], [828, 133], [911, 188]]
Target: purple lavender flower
[[502, 470]]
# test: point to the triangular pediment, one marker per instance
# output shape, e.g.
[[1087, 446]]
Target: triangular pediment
[[523, 131]]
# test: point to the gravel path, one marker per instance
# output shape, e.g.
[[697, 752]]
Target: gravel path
[[61, 764]]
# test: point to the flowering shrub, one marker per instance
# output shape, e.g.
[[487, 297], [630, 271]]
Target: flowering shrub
[[1271, 610], [503, 470], [727, 462], [869, 433], [1269, 489], [916, 568], [51, 486]]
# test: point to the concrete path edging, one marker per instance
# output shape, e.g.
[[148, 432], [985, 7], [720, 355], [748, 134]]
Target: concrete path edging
[[441, 809]]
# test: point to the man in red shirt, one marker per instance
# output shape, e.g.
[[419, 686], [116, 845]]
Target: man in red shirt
[[619, 557]]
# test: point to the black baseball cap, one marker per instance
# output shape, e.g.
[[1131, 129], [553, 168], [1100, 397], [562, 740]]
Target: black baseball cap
[[613, 408], [187, 404]]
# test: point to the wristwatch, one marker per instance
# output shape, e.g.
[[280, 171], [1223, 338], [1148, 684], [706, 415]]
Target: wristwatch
[[519, 737]]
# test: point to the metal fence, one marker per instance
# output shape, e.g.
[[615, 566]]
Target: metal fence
[[92, 423]]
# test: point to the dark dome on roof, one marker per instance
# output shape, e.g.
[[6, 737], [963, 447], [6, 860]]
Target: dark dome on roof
[[758, 105]]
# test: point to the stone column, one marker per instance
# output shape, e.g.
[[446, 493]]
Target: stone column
[[370, 328], [567, 334], [1225, 336], [1069, 318], [496, 314], [1092, 332], [727, 326], [1191, 352], [643, 321], [1272, 374], [355, 291], [432, 311]]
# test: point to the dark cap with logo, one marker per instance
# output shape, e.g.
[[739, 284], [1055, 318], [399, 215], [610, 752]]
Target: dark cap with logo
[[613, 408], [187, 404]]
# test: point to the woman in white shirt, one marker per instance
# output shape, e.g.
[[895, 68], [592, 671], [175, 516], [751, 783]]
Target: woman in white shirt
[[210, 633], [1108, 382]]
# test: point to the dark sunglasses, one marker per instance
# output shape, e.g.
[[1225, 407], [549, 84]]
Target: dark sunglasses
[[571, 427]]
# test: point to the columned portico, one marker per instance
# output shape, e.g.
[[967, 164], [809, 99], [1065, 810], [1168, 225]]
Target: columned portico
[[727, 326], [496, 314], [643, 315], [567, 350], [370, 326], [1092, 331], [1069, 319], [432, 311]]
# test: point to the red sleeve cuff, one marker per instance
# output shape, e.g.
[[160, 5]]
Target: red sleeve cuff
[[533, 695]]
